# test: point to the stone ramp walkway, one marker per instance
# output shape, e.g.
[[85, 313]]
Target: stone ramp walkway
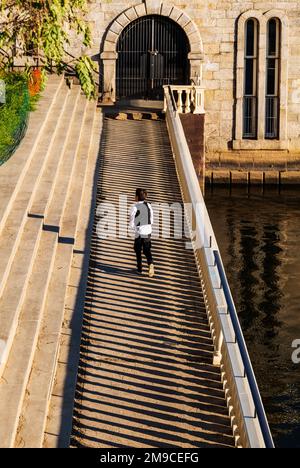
[[146, 377]]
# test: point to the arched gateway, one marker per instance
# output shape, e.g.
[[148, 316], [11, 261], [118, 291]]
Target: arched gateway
[[152, 52], [146, 47]]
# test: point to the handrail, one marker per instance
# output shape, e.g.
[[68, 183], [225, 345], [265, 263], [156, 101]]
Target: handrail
[[231, 350], [259, 407]]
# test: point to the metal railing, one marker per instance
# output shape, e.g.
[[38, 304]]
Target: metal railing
[[259, 407], [248, 418]]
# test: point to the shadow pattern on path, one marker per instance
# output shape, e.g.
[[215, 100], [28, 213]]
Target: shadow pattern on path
[[146, 378]]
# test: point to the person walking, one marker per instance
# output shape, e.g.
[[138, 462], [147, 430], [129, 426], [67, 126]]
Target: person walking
[[141, 222]]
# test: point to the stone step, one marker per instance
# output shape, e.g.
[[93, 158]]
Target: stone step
[[63, 393], [17, 371], [35, 409], [16, 257], [30, 433], [55, 210], [63, 137], [19, 204], [14, 292], [14, 170], [70, 219]]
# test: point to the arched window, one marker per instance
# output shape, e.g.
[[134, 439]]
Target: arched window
[[250, 79], [262, 81], [273, 78]]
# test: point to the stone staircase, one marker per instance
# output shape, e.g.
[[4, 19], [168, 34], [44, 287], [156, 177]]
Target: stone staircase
[[41, 196]]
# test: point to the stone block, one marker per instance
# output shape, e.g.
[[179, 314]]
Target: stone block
[[256, 177], [123, 20], [112, 37], [239, 177], [208, 177], [184, 20], [271, 177], [290, 178], [213, 48], [224, 75], [131, 14], [175, 14], [211, 67], [189, 28], [221, 177], [153, 7], [212, 84], [116, 28], [227, 47], [166, 9], [141, 10]]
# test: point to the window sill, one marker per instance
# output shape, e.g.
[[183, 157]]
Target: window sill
[[260, 144]]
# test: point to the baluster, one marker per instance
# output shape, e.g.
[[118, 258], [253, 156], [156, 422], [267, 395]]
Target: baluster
[[180, 102], [192, 106], [188, 101]]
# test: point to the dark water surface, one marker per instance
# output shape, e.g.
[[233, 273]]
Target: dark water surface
[[259, 238]]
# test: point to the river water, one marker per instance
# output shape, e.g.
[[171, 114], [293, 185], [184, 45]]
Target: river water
[[259, 238]]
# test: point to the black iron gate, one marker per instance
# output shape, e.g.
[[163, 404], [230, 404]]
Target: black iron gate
[[152, 52]]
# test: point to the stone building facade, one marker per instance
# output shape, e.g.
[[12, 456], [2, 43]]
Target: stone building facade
[[220, 59]]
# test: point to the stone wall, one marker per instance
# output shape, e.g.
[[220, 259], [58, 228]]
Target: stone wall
[[217, 22]]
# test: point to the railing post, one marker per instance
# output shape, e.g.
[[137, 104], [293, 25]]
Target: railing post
[[198, 100]]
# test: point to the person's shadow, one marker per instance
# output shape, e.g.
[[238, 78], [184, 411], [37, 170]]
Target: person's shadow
[[113, 270]]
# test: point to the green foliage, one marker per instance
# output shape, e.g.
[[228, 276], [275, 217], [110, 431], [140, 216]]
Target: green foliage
[[45, 26], [85, 70], [14, 113]]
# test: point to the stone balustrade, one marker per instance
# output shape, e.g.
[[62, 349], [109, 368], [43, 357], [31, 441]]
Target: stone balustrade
[[248, 417], [188, 99]]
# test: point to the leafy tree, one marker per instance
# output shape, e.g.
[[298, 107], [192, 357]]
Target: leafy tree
[[45, 26]]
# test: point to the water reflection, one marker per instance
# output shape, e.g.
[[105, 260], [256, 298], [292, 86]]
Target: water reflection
[[259, 238]]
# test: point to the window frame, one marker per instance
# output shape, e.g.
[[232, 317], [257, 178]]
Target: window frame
[[273, 99], [250, 100]]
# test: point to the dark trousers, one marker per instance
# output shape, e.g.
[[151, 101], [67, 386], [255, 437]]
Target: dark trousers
[[143, 245]]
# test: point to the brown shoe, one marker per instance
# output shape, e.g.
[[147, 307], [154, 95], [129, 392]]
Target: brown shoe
[[151, 271]]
